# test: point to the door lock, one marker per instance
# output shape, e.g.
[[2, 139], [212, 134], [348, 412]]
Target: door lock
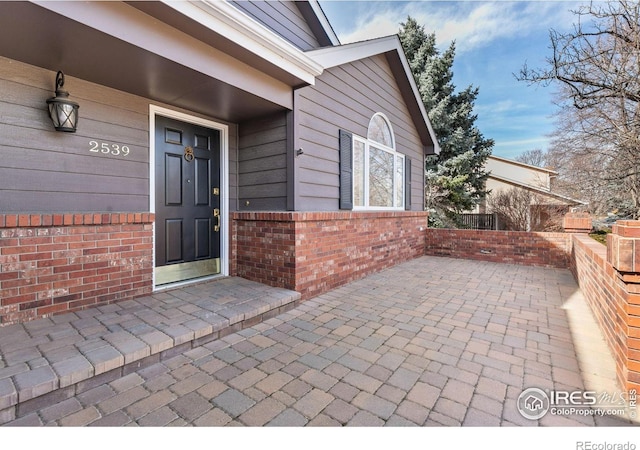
[[216, 214], [215, 191]]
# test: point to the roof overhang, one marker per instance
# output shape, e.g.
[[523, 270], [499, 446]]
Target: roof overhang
[[205, 57], [391, 47], [238, 28], [317, 20], [539, 191], [521, 164]]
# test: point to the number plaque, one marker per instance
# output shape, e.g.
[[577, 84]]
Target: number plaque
[[107, 148]]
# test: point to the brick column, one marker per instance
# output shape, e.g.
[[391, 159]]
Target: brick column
[[623, 253], [577, 223]]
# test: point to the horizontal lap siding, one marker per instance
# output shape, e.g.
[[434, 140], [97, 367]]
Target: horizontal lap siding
[[262, 163], [346, 97], [283, 18], [47, 171], [42, 170]]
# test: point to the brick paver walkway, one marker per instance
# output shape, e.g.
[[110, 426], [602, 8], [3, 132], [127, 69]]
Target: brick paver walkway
[[435, 341]]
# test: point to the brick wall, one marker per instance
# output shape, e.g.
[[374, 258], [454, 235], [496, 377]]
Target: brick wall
[[604, 293], [54, 263], [263, 248], [614, 302], [314, 252], [512, 247]]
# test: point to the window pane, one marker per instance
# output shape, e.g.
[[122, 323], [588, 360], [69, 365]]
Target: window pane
[[380, 178], [379, 131], [358, 173], [399, 181]]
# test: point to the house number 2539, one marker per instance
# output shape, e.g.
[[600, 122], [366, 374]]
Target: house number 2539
[[107, 148]]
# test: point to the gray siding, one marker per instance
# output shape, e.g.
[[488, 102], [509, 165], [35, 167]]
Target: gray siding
[[262, 163], [346, 97], [42, 170], [283, 18]]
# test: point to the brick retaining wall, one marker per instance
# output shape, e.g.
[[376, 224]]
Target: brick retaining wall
[[607, 296], [511, 247], [54, 263], [314, 252]]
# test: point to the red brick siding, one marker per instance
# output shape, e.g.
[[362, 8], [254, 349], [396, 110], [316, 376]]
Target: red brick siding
[[512, 247], [614, 303], [314, 252], [263, 248], [55, 263]]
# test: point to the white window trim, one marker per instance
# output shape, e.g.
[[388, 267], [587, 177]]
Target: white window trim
[[388, 122], [367, 145]]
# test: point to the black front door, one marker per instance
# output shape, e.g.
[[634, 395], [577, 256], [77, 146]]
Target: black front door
[[187, 201]]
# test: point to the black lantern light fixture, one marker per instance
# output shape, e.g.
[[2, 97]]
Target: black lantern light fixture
[[63, 112]]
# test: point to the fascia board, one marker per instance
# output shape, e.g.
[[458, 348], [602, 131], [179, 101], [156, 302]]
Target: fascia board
[[230, 22], [324, 22], [336, 56], [343, 54]]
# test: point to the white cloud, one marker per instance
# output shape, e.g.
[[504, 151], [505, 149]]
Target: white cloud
[[501, 107], [374, 23], [471, 24], [513, 148]]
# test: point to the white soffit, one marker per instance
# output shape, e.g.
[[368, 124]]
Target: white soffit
[[230, 22]]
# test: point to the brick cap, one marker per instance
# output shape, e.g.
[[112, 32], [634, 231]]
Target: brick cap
[[627, 228], [309, 216], [17, 220], [577, 223]]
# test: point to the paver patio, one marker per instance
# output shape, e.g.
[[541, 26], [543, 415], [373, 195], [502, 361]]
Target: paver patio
[[431, 342]]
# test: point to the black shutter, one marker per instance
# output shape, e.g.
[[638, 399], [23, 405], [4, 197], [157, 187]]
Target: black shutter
[[346, 170], [407, 183]]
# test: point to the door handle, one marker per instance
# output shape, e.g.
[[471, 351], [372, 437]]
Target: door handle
[[216, 214]]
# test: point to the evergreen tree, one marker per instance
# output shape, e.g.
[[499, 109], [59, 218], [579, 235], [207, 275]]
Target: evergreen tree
[[455, 179]]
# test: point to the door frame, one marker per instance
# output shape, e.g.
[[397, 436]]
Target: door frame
[[224, 184]]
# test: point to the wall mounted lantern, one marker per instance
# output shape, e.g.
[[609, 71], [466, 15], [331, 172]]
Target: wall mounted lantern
[[63, 112]]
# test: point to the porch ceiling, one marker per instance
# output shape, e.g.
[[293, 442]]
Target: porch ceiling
[[39, 36]]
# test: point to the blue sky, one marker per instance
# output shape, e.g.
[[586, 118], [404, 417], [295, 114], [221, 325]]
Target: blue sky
[[494, 39]]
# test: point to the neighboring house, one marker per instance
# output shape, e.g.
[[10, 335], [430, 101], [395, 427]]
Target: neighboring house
[[214, 138], [536, 185]]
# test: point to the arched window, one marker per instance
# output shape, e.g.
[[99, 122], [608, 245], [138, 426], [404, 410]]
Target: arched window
[[378, 170], [380, 131]]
